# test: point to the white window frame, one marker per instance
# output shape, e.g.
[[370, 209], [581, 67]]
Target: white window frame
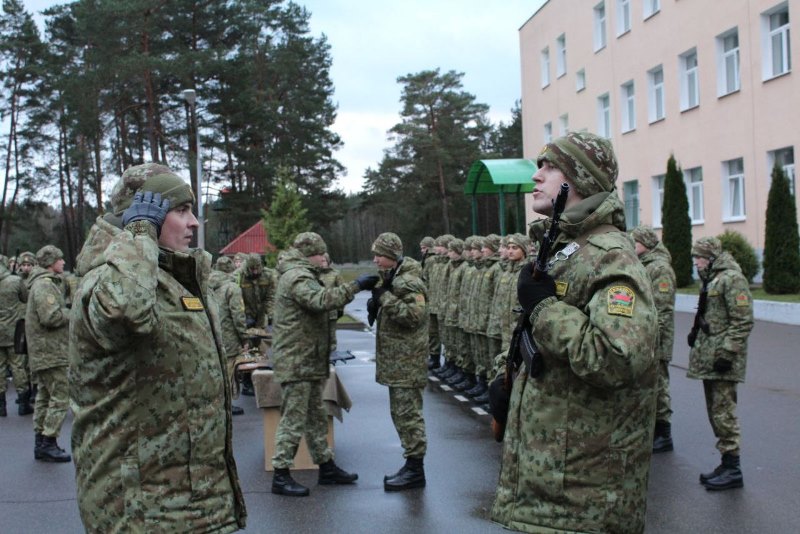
[[655, 94], [785, 158], [547, 133], [658, 198], [631, 203], [604, 115], [623, 17], [728, 76], [544, 58], [775, 42], [690, 80], [580, 80], [650, 8], [627, 106], [600, 34], [693, 179], [733, 206], [563, 124], [561, 55]]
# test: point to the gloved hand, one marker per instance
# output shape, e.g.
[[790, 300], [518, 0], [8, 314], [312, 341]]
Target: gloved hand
[[372, 311], [499, 398], [367, 281], [249, 322], [147, 206], [531, 292], [722, 365], [378, 292]]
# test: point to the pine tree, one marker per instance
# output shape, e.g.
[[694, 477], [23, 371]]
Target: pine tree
[[286, 216], [781, 243], [677, 233]]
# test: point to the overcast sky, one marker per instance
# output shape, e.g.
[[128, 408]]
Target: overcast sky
[[375, 41]]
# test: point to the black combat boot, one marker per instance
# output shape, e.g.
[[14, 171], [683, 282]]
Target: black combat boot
[[284, 484], [236, 410], [37, 446], [434, 362], [411, 475], [662, 439], [729, 477], [24, 401], [466, 384], [247, 386], [447, 371], [330, 473], [480, 388], [455, 378], [3, 411], [482, 399], [49, 451]]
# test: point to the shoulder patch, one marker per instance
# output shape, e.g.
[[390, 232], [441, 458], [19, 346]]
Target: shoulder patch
[[51, 299], [621, 301], [742, 299], [561, 288], [663, 287], [419, 298]]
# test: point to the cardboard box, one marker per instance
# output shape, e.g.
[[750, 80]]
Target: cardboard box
[[302, 460]]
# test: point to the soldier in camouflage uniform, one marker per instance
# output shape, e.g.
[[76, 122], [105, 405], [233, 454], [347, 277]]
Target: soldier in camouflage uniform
[[579, 434], [427, 249], [401, 343], [456, 343], [152, 433], [228, 294], [436, 284], [657, 262], [301, 343], [258, 290], [27, 261], [465, 378], [485, 289], [13, 299], [719, 353], [46, 330]]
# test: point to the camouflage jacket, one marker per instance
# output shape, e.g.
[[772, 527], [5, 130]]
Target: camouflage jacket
[[13, 296], [493, 324], [46, 321], [658, 264], [259, 296], [401, 343], [729, 314], [578, 441], [450, 304], [506, 301], [437, 284], [301, 329], [484, 291], [332, 278], [151, 437], [228, 295], [465, 296]]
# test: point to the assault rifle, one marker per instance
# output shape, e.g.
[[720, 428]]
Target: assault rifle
[[700, 322]]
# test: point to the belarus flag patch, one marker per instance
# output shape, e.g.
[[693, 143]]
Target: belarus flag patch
[[621, 300]]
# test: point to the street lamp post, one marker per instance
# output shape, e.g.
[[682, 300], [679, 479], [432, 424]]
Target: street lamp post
[[191, 97]]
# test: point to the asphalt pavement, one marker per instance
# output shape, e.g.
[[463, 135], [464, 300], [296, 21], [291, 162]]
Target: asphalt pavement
[[463, 460]]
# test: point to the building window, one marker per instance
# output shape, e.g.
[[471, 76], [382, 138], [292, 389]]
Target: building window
[[655, 81], [651, 7], [545, 59], [690, 85], [733, 190], [628, 107], [777, 53], [604, 115], [563, 124], [599, 26], [623, 16], [693, 178], [784, 157], [630, 190], [658, 198], [561, 58], [548, 132], [728, 62], [580, 80]]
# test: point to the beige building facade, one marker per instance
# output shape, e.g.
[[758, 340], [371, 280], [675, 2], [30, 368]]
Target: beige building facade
[[709, 81]]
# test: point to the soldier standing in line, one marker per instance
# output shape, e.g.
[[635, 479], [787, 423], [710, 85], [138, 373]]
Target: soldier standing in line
[[46, 331], [401, 344], [484, 291], [658, 263], [592, 401], [231, 316], [435, 341], [719, 352], [465, 379], [301, 339], [437, 286], [26, 263], [456, 343], [13, 299]]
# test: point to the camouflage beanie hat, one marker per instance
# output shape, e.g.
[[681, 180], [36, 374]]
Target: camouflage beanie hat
[[521, 241], [427, 241], [132, 181], [586, 159], [310, 244], [645, 235], [253, 261], [241, 257], [172, 187], [707, 247], [456, 245], [492, 241], [443, 240], [224, 264], [48, 255], [388, 245], [477, 242], [27, 257]]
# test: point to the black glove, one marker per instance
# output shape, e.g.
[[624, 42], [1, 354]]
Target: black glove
[[249, 322], [692, 337], [531, 292], [367, 281], [722, 365], [147, 206], [499, 398], [378, 292], [372, 311]]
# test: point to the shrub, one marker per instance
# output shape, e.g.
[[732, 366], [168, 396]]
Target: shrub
[[781, 243], [742, 251], [677, 233]]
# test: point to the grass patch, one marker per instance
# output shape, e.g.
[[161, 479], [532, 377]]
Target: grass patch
[[347, 319], [757, 291]]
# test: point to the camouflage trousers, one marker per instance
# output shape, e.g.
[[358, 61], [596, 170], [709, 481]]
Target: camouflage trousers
[[52, 401], [492, 350], [302, 414], [457, 345], [721, 408], [10, 359], [405, 405], [434, 337], [663, 399]]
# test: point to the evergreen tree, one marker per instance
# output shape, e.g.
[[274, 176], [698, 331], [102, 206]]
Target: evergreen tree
[[742, 251], [507, 138], [286, 216], [781, 242], [677, 225]]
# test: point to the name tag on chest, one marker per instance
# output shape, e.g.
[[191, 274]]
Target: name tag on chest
[[192, 304]]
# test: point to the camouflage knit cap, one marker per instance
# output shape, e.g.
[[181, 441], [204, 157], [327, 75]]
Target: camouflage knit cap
[[456, 245], [504, 241], [521, 241], [707, 247], [477, 242], [645, 235], [388, 245], [224, 264], [48, 255], [310, 244], [253, 261], [492, 241], [132, 181], [443, 240], [27, 257], [241, 257], [427, 241], [586, 159]]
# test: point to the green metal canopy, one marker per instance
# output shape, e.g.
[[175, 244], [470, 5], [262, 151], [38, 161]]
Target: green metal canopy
[[499, 176]]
